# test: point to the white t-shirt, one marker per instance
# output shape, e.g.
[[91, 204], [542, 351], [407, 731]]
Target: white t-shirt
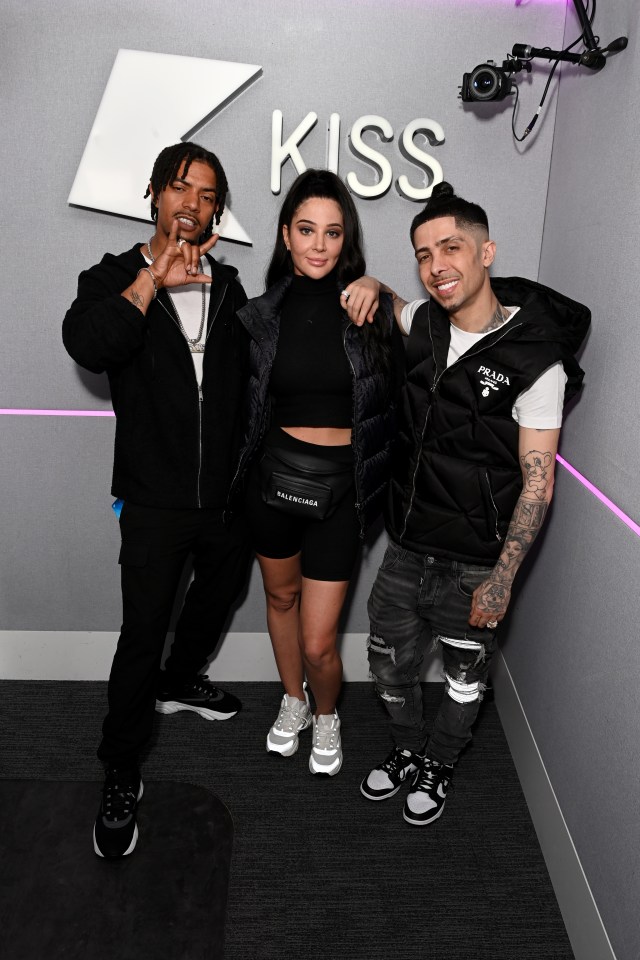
[[539, 406], [188, 302]]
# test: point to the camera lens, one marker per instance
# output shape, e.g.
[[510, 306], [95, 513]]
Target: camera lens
[[485, 83]]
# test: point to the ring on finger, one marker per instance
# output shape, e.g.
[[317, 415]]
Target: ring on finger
[[181, 241], [492, 624], [345, 295]]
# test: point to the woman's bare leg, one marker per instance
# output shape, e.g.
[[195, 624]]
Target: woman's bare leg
[[321, 602], [282, 585]]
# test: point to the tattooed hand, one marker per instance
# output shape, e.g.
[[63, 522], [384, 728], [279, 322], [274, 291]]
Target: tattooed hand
[[490, 601]]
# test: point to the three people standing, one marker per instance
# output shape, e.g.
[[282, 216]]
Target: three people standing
[[488, 365]]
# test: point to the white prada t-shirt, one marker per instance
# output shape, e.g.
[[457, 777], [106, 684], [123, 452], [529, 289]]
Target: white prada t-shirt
[[539, 406]]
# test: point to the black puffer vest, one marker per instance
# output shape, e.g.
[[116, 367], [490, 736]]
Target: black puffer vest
[[373, 423], [456, 475]]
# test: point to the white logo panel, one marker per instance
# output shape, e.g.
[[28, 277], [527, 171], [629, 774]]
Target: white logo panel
[[151, 101]]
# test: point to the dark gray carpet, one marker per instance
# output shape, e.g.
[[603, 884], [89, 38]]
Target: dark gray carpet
[[61, 901], [318, 871]]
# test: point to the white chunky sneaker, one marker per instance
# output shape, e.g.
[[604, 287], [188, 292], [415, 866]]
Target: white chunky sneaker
[[326, 752], [295, 716]]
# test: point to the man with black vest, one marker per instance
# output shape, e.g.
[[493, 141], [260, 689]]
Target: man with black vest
[[160, 320], [489, 365]]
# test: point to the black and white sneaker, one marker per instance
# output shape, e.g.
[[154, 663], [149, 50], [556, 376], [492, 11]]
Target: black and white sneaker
[[426, 798], [115, 832], [385, 781], [199, 696]]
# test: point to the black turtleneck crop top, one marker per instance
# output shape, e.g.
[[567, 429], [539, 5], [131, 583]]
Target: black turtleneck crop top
[[311, 380]]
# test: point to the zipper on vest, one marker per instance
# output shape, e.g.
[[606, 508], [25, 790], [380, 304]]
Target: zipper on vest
[[415, 474], [493, 504], [436, 380], [419, 446], [217, 311], [354, 438], [251, 445], [472, 353]]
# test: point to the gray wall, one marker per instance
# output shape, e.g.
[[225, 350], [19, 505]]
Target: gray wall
[[573, 645], [55, 475], [572, 648]]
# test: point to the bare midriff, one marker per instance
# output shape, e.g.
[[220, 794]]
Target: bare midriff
[[323, 436]]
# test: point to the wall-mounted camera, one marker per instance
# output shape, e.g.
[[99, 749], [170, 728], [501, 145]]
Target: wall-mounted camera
[[488, 81]]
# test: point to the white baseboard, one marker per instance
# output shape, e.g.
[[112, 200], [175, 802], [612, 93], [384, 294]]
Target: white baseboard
[[580, 913], [77, 655]]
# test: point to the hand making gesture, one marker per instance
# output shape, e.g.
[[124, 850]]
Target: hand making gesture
[[177, 265], [179, 262]]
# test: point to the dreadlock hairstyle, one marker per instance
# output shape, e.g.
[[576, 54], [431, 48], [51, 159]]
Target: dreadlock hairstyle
[[325, 185], [166, 168], [445, 203]]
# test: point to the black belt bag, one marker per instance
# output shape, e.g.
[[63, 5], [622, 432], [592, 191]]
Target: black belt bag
[[302, 484]]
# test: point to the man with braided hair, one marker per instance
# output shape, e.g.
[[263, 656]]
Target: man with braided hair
[[489, 364], [160, 320]]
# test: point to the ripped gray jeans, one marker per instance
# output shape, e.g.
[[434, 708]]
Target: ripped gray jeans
[[419, 600]]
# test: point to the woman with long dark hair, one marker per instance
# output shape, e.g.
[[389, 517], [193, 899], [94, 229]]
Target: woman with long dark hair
[[319, 430]]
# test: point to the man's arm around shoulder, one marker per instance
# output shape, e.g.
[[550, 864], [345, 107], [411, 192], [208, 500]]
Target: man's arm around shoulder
[[364, 299]]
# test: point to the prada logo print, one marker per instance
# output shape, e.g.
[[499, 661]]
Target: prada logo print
[[492, 380]]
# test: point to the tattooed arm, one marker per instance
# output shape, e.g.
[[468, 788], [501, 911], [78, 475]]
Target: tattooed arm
[[537, 450], [142, 291]]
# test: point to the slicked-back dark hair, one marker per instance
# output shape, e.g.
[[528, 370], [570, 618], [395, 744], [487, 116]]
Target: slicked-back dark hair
[[323, 185], [445, 203], [165, 171]]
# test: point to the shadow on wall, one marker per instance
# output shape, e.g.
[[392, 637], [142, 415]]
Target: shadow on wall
[[96, 384]]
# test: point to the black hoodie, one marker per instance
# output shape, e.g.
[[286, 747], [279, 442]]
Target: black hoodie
[[173, 448]]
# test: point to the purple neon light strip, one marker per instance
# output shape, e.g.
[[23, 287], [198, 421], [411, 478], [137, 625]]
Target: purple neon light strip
[[600, 495], [109, 413], [56, 413]]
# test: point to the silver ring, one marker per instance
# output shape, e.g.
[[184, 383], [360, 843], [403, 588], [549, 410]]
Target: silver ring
[[492, 624], [345, 295], [181, 241]]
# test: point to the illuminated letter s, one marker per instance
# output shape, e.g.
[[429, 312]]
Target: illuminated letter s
[[376, 159], [421, 125]]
